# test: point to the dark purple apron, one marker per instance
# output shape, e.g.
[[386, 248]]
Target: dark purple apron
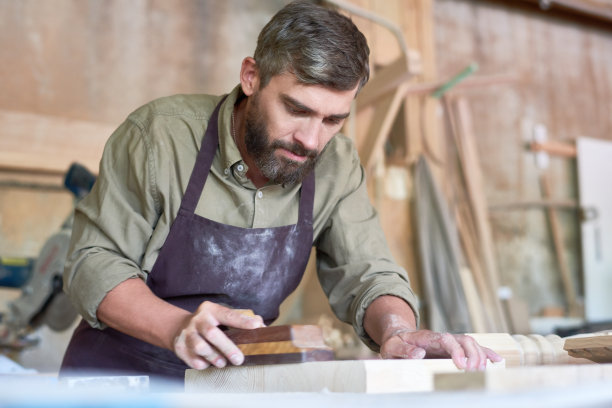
[[245, 268]]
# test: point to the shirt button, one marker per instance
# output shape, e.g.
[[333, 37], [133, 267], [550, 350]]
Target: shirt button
[[259, 194], [240, 167], [226, 171]]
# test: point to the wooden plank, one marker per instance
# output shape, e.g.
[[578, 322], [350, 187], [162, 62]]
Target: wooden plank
[[386, 80], [537, 204], [555, 148], [381, 123], [475, 187], [524, 378], [470, 252], [597, 347], [48, 144], [358, 376], [281, 344], [474, 303], [555, 228], [588, 8], [503, 344]]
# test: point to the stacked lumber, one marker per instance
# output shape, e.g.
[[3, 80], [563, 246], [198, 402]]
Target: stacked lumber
[[471, 212]]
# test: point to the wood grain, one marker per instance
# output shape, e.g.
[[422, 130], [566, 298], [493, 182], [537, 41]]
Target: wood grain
[[359, 376], [524, 378], [597, 348]]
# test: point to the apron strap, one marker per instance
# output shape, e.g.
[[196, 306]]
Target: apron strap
[[203, 162]]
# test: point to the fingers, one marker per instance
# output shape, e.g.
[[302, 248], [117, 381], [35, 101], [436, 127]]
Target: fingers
[[201, 343], [465, 352], [395, 347]]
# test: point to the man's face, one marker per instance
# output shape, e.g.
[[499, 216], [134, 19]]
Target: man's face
[[288, 124]]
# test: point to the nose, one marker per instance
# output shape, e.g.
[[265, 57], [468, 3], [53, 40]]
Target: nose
[[308, 134]]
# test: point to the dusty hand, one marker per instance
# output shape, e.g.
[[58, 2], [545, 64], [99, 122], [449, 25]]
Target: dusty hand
[[464, 350], [201, 343]]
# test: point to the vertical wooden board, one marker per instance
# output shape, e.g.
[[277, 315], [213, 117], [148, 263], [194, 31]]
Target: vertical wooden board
[[594, 169]]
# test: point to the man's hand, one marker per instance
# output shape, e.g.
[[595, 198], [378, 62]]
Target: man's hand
[[415, 344], [391, 323], [200, 343]]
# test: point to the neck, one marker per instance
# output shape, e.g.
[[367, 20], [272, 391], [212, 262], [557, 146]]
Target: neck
[[254, 174]]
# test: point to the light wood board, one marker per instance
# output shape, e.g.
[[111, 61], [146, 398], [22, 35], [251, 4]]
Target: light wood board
[[524, 378], [34, 142], [358, 376]]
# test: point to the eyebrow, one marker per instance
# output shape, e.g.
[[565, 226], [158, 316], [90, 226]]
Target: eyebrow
[[297, 104]]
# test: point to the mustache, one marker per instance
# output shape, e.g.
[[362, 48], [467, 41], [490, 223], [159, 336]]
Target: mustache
[[295, 148]]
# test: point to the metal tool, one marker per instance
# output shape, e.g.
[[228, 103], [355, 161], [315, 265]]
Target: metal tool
[[42, 301]]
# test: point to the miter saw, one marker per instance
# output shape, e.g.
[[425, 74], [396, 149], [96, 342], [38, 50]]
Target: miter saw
[[42, 301]]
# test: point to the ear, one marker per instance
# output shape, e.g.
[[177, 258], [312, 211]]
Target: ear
[[249, 76]]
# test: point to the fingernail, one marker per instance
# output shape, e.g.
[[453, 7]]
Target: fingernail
[[220, 363], [236, 359]]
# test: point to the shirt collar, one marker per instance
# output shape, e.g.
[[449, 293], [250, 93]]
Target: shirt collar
[[230, 154]]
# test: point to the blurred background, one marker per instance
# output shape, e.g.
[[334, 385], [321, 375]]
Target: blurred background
[[485, 132]]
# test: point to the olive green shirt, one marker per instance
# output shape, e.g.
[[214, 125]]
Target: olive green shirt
[[120, 227]]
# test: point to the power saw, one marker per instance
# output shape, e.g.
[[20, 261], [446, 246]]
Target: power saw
[[42, 301]]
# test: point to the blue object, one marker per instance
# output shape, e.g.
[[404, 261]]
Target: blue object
[[15, 272]]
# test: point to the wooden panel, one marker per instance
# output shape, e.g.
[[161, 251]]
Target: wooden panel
[[594, 169], [30, 141], [596, 348], [564, 83], [360, 376], [524, 378]]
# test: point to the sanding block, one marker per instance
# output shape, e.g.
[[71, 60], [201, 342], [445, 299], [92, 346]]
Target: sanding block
[[281, 344]]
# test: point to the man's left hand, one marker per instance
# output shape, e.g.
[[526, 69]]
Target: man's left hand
[[415, 344]]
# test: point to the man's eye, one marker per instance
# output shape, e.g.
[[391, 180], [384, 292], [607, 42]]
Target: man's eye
[[296, 111], [333, 121]]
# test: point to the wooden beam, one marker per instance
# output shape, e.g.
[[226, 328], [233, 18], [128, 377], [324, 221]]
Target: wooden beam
[[357, 376], [555, 230], [524, 378], [596, 347], [386, 80], [379, 128], [555, 148], [538, 204], [35, 143], [586, 8], [468, 156]]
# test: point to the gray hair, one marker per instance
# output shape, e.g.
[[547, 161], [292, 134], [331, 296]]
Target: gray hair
[[318, 45]]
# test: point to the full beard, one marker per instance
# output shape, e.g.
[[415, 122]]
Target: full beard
[[279, 170]]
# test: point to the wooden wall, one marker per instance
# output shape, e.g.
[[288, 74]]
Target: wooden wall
[[96, 61], [564, 82]]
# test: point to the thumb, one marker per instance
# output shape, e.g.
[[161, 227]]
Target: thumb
[[395, 347]]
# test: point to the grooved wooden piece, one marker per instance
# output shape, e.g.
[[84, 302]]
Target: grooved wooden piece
[[597, 348], [281, 344]]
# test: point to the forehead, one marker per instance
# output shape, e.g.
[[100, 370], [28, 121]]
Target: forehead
[[325, 101]]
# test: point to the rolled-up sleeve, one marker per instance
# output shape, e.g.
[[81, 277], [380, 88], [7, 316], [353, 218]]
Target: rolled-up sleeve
[[113, 223], [354, 262]]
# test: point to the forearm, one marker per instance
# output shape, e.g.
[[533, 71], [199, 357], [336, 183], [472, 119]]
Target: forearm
[[133, 309], [386, 316]]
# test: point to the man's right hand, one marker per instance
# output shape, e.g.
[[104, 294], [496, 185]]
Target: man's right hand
[[200, 343]]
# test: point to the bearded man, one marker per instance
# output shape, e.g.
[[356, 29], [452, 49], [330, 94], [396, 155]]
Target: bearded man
[[208, 204]]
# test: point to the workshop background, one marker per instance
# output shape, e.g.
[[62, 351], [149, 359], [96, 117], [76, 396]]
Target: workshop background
[[476, 114]]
